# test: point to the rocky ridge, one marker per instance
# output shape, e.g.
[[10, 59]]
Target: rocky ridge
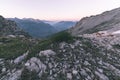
[[8, 27], [88, 57], [107, 21]]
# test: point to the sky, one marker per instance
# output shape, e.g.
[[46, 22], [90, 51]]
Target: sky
[[55, 9]]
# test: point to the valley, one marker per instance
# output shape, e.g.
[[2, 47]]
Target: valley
[[35, 50]]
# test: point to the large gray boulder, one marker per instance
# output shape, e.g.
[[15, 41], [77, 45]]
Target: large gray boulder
[[46, 53], [34, 64]]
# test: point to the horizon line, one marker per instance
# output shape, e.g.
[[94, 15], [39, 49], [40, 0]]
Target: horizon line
[[45, 19]]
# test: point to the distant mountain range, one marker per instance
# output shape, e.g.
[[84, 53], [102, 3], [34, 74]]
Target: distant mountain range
[[42, 28], [35, 28], [50, 22], [63, 25]]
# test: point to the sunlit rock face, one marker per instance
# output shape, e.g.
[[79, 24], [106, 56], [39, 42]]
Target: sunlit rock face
[[109, 21]]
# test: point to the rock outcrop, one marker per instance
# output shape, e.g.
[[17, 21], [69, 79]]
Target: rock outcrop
[[87, 57], [109, 20], [8, 27]]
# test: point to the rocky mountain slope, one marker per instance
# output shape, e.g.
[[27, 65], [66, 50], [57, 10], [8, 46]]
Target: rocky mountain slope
[[85, 58], [109, 21], [35, 28], [80, 56], [8, 27]]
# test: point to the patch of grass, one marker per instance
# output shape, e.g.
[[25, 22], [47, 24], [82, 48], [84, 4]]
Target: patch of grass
[[41, 45], [62, 37], [13, 47]]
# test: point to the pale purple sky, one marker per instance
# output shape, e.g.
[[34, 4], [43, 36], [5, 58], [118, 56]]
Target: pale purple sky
[[55, 9]]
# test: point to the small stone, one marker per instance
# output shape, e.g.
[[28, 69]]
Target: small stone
[[64, 50], [46, 53], [69, 75], [27, 64], [21, 58], [72, 46], [74, 72], [4, 69], [86, 63], [83, 72], [100, 70], [62, 45]]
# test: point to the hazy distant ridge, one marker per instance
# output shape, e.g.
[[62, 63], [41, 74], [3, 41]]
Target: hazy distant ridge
[[42, 28], [35, 27]]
